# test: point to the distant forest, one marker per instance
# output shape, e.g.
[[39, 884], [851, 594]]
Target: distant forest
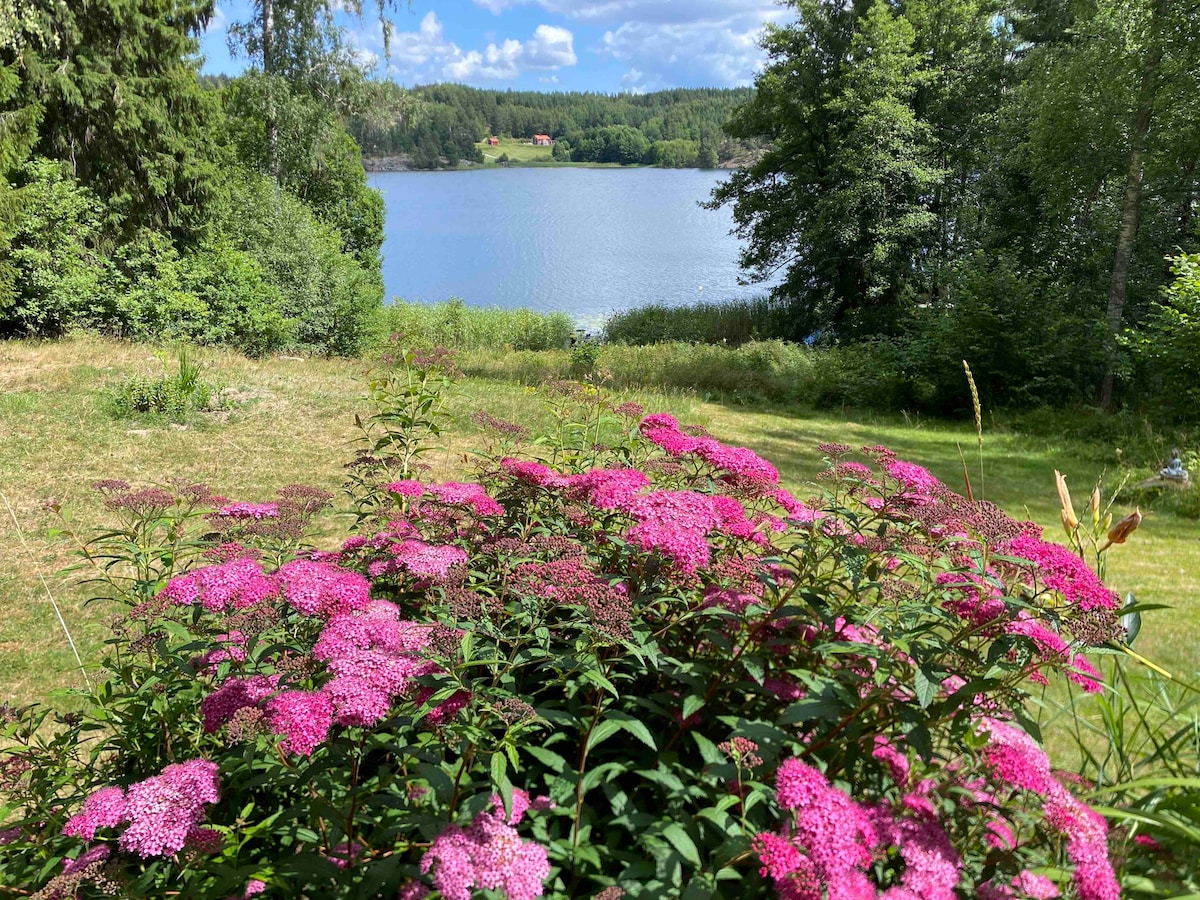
[[439, 125]]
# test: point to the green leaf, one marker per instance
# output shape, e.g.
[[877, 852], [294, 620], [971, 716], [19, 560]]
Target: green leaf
[[926, 687], [547, 758], [604, 729], [682, 842]]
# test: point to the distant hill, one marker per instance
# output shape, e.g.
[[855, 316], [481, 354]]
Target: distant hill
[[439, 125]]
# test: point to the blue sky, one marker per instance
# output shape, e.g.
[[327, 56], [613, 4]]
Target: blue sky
[[586, 45]]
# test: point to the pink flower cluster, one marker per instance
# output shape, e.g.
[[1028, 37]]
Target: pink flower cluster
[[1017, 762], [419, 559], [830, 842], [489, 855], [255, 511], [310, 587], [1061, 570], [162, 813], [739, 463], [237, 584], [452, 493]]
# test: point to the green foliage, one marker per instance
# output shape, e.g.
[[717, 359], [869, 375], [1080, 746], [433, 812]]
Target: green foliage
[[326, 295], [114, 84], [1167, 347], [176, 396], [457, 326], [733, 322], [443, 121], [56, 258]]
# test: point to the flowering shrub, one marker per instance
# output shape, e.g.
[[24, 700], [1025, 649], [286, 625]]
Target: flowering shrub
[[645, 669]]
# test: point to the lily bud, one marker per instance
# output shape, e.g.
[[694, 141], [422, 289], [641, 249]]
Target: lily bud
[[1096, 505], [1125, 527], [1070, 520]]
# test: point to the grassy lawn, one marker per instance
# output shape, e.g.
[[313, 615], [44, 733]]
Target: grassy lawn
[[518, 151], [293, 421]]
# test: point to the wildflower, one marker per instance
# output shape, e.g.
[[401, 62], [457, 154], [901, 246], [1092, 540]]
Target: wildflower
[[470, 495], [1061, 570]]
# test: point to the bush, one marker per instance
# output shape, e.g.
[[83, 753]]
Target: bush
[[1167, 348], [58, 264], [635, 667], [327, 298]]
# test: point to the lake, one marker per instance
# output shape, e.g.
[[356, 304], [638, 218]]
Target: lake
[[583, 241]]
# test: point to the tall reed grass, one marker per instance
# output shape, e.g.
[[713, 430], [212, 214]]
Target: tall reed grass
[[457, 326], [735, 322]]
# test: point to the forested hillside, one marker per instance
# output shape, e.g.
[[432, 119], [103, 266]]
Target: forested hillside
[[439, 125], [140, 201]]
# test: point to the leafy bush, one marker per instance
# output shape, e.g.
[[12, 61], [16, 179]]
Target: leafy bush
[[324, 293], [1167, 348], [57, 259], [636, 667]]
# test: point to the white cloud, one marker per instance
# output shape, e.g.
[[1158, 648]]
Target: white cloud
[[672, 41], [550, 47], [428, 55], [725, 53]]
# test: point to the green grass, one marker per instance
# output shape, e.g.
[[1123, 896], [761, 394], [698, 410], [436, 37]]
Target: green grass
[[292, 421], [518, 151]]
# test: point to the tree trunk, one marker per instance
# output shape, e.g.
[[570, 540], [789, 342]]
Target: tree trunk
[[1133, 198], [270, 125]]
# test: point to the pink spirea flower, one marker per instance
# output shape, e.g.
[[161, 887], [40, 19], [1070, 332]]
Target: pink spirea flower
[[1058, 569], [414, 891], [165, 809], [834, 831], [357, 701], [236, 584], [489, 855], [534, 473], [254, 511], [303, 718], [427, 560], [378, 651], [92, 855], [253, 888], [1017, 760], [931, 865], [675, 524], [610, 488], [234, 694], [103, 809], [917, 484], [896, 761], [320, 589], [742, 463], [471, 495], [405, 488]]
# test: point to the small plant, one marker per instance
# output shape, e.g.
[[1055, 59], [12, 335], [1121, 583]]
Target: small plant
[[175, 396], [585, 356]]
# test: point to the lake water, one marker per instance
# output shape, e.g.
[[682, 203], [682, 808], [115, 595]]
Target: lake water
[[583, 241]]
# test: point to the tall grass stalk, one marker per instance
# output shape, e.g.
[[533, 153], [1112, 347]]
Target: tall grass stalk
[[457, 326], [734, 322], [49, 594]]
